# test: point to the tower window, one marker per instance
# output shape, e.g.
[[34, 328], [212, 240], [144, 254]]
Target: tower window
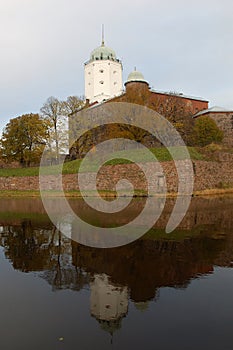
[[115, 83], [114, 72], [101, 70], [101, 82]]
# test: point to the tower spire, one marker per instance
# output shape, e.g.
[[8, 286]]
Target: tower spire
[[102, 34]]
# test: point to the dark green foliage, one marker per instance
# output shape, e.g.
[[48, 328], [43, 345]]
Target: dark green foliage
[[206, 131]]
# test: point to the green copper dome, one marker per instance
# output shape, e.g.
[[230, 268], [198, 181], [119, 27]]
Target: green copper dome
[[136, 76], [103, 53]]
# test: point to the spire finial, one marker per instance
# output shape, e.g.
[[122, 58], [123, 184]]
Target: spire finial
[[102, 34], [135, 68]]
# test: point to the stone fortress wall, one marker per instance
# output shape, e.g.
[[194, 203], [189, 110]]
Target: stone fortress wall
[[224, 121], [208, 175]]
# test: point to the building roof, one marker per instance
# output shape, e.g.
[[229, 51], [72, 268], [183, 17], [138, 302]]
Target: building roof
[[214, 109], [179, 95], [95, 104]]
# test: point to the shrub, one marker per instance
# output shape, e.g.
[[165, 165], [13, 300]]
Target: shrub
[[206, 131]]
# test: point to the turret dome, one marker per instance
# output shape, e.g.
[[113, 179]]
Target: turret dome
[[136, 76], [103, 53]]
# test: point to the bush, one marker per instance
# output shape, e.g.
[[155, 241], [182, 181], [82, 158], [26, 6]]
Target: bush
[[206, 131]]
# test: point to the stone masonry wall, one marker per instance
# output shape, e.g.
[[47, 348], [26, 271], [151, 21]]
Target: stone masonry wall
[[224, 121], [208, 175]]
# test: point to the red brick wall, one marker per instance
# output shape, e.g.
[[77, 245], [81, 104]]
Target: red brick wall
[[143, 95]]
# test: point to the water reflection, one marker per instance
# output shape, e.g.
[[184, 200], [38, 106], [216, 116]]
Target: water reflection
[[133, 272], [108, 302]]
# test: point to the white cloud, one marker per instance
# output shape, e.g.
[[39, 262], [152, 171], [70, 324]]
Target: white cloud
[[178, 45]]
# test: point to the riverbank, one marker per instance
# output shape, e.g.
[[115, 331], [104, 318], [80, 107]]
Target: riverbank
[[213, 175], [106, 194]]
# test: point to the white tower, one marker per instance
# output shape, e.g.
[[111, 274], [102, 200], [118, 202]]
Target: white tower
[[103, 74], [108, 302]]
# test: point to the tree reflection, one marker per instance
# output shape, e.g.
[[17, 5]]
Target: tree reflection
[[143, 266], [42, 250], [133, 272]]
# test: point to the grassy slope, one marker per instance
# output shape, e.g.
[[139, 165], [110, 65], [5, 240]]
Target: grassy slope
[[162, 154]]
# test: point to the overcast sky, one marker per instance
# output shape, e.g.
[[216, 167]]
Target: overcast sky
[[183, 46]]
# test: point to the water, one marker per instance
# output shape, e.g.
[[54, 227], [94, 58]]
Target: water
[[162, 291]]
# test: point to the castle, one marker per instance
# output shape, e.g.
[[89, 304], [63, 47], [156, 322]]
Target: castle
[[104, 83]]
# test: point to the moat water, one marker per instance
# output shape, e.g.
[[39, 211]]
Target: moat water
[[163, 291]]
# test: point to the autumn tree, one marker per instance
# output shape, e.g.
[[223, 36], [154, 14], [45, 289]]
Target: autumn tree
[[206, 131], [72, 104], [57, 113], [52, 111], [175, 108], [24, 139], [178, 111]]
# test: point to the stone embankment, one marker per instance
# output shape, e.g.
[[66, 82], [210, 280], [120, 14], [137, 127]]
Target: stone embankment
[[209, 175]]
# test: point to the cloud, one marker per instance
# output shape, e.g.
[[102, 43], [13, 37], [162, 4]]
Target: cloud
[[177, 46]]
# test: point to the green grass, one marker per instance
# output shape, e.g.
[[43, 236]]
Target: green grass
[[162, 154], [139, 155], [19, 172]]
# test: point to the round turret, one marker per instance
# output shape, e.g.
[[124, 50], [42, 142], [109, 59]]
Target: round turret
[[136, 76]]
